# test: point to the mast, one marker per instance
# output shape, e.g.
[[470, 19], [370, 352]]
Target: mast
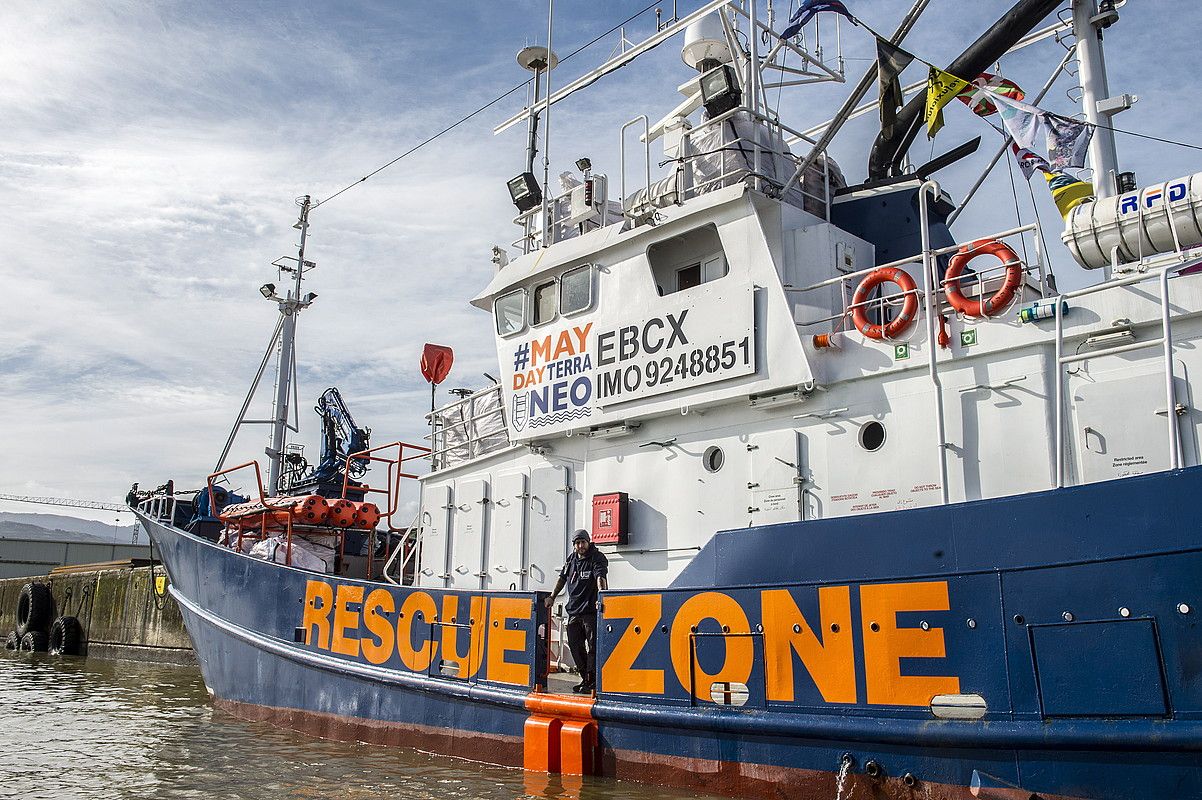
[[546, 208], [1095, 96], [290, 307]]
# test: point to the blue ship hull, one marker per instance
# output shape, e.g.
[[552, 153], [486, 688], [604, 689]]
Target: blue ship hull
[[780, 655]]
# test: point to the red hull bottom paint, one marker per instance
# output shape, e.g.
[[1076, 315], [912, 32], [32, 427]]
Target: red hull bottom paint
[[703, 775], [733, 779], [502, 751]]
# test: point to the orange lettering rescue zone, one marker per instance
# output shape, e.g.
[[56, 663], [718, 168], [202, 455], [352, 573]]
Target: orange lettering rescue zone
[[471, 634]]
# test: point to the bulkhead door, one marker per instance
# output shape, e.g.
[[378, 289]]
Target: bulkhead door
[[1121, 425], [774, 491]]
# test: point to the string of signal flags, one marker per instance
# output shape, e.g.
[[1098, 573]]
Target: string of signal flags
[[1065, 140], [1033, 130]]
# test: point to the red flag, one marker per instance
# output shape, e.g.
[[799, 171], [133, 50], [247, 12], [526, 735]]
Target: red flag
[[984, 84], [436, 362]]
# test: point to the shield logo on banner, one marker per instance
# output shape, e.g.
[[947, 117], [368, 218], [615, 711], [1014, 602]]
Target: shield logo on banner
[[520, 410]]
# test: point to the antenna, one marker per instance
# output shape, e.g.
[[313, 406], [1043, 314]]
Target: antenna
[[290, 306], [547, 128]]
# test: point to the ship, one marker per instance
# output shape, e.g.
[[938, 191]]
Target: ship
[[887, 514]]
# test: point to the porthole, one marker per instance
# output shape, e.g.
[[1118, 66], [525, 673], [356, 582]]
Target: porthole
[[872, 436], [713, 458]]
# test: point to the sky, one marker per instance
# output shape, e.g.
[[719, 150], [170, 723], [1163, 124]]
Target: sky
[[152, 153]]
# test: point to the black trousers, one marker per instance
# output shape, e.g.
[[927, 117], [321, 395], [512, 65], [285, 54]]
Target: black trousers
[[582, 641]]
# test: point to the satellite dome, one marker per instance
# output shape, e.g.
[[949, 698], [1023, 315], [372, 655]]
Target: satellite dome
[[705, 44]]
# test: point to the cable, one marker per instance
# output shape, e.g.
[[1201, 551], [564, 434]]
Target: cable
[[479, 110], [1148, 136]]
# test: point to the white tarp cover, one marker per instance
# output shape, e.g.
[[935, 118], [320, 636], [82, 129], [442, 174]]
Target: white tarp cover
[[470, 428], [307, 553], [724, 155]]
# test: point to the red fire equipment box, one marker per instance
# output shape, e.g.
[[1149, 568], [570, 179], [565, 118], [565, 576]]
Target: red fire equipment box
[[610, 520]]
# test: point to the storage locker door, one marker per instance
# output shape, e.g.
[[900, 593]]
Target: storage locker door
[[467, 544], [548, 525], [436, 534], [505, 564]]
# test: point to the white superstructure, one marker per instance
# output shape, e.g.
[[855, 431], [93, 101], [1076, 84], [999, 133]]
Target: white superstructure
[[669, 353]]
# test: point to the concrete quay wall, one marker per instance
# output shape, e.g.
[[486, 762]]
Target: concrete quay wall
[[122, 612]]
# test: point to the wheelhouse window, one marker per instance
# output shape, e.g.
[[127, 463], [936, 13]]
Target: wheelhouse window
[[510, 312], [545, 296], [576, 290], [688, 260]]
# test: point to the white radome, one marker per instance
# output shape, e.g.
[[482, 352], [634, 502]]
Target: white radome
[[703, 40]]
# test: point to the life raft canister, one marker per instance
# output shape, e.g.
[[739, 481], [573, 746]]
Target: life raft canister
[[899, 324], [1002, 297]]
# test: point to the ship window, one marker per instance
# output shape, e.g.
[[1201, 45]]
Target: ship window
[[688, 277], [543, 307], [510, 312], [713, 458], [872, 436], [688, 260], [576, 289]]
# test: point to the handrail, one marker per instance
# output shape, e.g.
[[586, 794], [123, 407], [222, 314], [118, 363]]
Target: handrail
[[901, 262], [646, 151], [928, 271], [263, 500], [391, 490], [472, 434], [414, 529]]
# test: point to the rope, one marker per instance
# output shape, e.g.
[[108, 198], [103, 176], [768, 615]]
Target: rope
[[478, 111]]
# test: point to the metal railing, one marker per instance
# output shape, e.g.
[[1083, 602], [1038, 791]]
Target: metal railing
[[457, 434], [391, 489], [738, 158], [530, 231], [932, 309], [927, 260], [414, 530]]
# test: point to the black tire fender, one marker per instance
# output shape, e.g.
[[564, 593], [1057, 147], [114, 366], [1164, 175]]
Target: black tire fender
[[35, 608], [66, 636], [34, 641], [12, 641]]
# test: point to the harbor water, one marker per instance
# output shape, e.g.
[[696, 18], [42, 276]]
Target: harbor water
[[90, 728]]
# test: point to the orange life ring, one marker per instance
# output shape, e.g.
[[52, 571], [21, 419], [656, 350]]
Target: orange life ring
[[899, 324], [1002, 297]]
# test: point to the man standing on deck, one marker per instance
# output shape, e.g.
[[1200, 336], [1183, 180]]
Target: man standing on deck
[[584, 573]]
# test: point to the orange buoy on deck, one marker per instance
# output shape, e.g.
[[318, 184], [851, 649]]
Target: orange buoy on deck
[[366, 515], [342, 513], [312, 510]]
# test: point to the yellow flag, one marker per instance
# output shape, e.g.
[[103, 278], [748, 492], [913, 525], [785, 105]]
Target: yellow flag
[[942, 88]]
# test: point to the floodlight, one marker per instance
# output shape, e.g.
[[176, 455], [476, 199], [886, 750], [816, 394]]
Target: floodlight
[[584, 164], [267, 290], [310, 297], [525, 192], [720, 90]]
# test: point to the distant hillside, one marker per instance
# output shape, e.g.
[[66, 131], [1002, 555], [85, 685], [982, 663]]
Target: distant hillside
[[62, 528]]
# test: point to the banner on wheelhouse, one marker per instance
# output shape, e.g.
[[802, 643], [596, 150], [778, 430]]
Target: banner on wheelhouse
[[577, 373]]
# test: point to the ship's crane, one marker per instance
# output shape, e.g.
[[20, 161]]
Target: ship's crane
[[340, 437]]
